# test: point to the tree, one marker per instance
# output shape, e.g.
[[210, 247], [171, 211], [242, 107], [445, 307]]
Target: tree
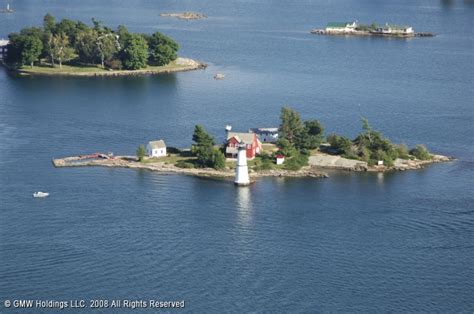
[[367, 128], [123, 35], [141, 152], [86, 46], [311, 135], [32, 47], [60, 50], [286, 148], [291, 125], [201, 137], [107, 45], [49, 23], [163, 49], [135, 54]]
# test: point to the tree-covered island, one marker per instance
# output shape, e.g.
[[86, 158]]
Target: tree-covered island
[[73, 47]]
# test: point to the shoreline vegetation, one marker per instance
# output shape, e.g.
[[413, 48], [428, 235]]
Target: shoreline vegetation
[[308, 153], [72, 48]]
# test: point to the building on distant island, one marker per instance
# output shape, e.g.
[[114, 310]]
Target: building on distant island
[[156, 148], [389, 29], [266, 135], [235, 139], [344, 27], [3, 48]]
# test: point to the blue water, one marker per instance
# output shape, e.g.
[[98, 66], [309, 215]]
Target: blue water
[[353, 242]]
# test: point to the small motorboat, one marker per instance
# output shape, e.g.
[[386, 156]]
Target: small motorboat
[[219, 76], [40, 194]]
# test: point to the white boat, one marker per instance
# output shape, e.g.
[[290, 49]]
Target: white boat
[[7, 10], [40, 194], [219, 76]]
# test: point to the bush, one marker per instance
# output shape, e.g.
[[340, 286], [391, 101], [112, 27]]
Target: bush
[[114, 64], [184, 164], [265, 162], [296, 162], [420, 152], [173, 150], [402, 150], [340, 144]]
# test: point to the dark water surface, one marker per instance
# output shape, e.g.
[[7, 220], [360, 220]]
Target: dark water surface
[[353, 242]]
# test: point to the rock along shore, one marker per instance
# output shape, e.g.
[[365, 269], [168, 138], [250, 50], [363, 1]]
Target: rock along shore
[[185, 15], [131, 162], [181, 65], [326, 161]]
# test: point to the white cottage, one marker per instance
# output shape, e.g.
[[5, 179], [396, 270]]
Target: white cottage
[[156, 148]]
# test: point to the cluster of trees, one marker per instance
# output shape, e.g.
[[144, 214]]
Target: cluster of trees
[[203, 148], [296, 138], [70, 40], [371, 146]]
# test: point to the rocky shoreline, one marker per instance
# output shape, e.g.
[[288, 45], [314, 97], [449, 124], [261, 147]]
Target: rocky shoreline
[[185, 15], [182, 65], [317, 31], [317, 164], [132, 163], [326, 161]]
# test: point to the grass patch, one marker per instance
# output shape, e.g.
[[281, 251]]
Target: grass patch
[[81, 69], [172, 159]]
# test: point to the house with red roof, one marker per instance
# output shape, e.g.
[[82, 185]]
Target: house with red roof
[[253, 144]]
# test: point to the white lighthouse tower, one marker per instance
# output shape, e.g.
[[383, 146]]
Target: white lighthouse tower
[[242, 171]]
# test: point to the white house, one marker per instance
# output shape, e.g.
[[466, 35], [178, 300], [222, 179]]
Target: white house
[[394, 29], [156, 148]]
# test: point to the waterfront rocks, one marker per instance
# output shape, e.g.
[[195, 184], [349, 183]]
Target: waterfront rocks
[[131, 162], [185, 15], [326, 161], [337, 162]]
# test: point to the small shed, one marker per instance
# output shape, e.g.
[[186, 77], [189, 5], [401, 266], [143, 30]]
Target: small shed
[[280, 159], [156, 149]]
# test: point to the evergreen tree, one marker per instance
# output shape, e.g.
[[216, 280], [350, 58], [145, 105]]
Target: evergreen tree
[[141, 152], [291, 125]]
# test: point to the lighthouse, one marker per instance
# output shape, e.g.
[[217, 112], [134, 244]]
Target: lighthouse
[[242, 171]]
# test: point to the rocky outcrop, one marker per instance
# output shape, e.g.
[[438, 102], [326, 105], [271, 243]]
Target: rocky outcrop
[[326, 161], [185, 15], [321, 160], [131, 162]]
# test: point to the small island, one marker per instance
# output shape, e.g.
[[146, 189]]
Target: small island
[[295, 149], [356, 29], [72, 48], [185, 15]]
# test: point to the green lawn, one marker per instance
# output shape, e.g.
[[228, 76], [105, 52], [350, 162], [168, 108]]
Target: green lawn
[[46, 68], [170, 159]]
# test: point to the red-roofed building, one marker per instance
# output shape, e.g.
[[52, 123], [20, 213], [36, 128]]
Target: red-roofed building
[[253, 144]]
